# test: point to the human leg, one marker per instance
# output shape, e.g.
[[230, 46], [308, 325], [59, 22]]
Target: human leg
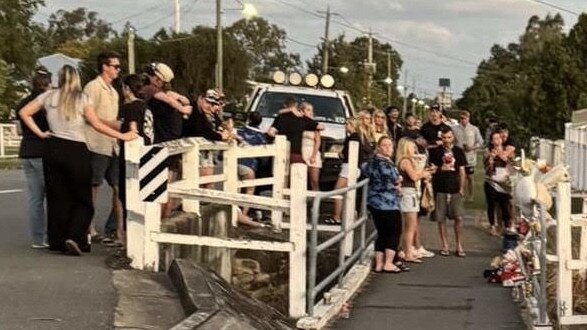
[[80, 189], [411, 222], [314, 176], [456, 211], [337, 209], [58, 200], [440, 213], [33, 170]]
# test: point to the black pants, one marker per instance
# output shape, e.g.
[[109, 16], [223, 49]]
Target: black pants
[[389, 229], [495, 198], [68, 181]]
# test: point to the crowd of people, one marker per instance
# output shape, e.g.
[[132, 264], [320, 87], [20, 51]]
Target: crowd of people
[[73, 141]]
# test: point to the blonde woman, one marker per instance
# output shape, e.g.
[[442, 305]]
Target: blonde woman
[[379, 124], [351, 127], [410, 201], [366, 134], [68, 172], [311, 148]]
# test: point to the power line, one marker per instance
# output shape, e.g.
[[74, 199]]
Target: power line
[[551, 5], [138, 13]]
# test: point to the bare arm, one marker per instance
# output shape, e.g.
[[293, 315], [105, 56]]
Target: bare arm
[[407, 166], [317, 141], [272, 132], [98, 125], [27, 113], [462, 177], [176, 104]]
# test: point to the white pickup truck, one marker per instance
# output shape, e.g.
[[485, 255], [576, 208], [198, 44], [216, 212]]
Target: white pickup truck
[[331, 108]]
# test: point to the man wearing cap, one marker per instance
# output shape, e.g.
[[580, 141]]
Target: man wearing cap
[[430, 131], [167, 106], [468, 137], [202, 123], [104, 149]]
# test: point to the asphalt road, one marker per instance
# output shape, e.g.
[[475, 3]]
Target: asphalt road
[[45, 290]]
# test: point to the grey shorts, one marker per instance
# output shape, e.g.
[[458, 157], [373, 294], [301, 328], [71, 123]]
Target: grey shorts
[[104, 167], [244, 170], [448, 205]]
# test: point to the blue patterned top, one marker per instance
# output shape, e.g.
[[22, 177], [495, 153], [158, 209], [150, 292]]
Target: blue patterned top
[[383, 175], [251, 136]]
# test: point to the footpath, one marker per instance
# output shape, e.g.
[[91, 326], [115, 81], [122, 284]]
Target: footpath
[[443, 293]]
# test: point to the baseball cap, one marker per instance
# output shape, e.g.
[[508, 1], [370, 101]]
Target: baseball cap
[[212, 96], [163, 72]]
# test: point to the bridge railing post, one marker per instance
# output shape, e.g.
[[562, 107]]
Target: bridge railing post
[[135, 207], [564, 252], [279, 175], [297, 235], [351, 196]]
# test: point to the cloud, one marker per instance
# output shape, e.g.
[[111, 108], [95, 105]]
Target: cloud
[[500, 8], [426, 32], [395, 6]]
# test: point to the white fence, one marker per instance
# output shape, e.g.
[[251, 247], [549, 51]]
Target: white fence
[[144, 218], [9, 138], [573, 153]]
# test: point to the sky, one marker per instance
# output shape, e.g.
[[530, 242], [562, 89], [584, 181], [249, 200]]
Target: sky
[[435, 38]]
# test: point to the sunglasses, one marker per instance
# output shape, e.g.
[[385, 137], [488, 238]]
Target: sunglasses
[[116, 66]]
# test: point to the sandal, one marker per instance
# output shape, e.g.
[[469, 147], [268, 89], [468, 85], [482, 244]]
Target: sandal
[[402, 266], [331, 221], [460, 254], [444, 253]]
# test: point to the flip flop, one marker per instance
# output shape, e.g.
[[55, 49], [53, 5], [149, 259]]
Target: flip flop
[[413, 261], [444, 253], [460, 254]]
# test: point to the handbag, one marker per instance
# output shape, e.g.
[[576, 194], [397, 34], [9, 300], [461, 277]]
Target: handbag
[[427, 201]]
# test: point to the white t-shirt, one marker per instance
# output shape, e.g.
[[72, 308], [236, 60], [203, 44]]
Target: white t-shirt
[[73, 129]]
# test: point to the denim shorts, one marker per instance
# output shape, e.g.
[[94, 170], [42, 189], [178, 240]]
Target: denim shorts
[[410, 202]]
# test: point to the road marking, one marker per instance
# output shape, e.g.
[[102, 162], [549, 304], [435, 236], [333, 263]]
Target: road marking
[[11, 191]]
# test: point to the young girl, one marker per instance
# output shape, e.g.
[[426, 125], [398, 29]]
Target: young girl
[[495, 186], [379, 125], [383, 200]]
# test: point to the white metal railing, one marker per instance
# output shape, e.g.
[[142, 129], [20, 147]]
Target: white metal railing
[[9, 138], [576, 155], [144, 218]]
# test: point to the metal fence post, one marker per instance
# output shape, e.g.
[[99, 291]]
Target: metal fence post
[[297, 235]]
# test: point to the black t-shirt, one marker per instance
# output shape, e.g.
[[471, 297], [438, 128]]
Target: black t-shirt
[[133, 111], [198, 124], [31, 145], [447, 176], [345, 148], [293, 128], [167, 121], [431, 132]]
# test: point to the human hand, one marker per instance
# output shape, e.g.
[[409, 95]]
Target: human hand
[[129, 136], [313, 159], [45, 135], [186, 109]]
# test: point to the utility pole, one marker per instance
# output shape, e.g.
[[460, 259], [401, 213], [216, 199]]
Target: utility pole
[[177, 16], [405, 107], [370, 67], [219, 65], [131, 50], [389, 76], [326, 43]]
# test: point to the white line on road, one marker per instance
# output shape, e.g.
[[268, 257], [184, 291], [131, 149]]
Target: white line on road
[[11, 191]]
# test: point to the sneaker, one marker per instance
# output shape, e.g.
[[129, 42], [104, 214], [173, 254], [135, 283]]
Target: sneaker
[[423, 253], [40, 246]]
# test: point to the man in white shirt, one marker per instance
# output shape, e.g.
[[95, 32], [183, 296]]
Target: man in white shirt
[[468, 137]]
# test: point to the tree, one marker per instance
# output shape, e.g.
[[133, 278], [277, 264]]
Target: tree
[[72, 28], [19, 40], [265, 45], [352, 55]]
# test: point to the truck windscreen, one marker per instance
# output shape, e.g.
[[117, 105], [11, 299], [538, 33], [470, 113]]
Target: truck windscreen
[[326, 109]]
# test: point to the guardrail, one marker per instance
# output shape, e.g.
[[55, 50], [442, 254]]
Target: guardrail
[[144, 218], [9, 138]]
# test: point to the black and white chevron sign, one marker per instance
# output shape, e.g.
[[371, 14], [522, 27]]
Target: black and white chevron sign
[[153, 174]]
